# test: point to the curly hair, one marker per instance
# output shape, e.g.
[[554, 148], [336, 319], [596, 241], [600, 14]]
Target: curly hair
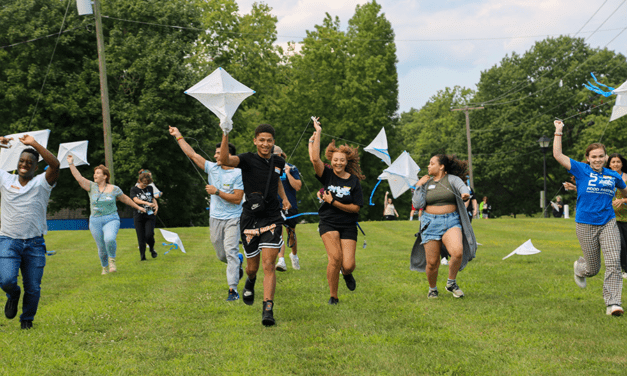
[[453, 166], [352, 158]]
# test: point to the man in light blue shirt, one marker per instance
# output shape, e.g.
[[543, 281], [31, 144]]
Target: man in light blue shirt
[[227, 190]]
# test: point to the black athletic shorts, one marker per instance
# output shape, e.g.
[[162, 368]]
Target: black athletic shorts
[[258, 233], [291, 223], [346, 232]]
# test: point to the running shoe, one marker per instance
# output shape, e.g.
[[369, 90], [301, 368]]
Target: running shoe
[[153, 253], [433, 294], [267, 316], [614, 310], [580, 281], [112, 268], [10, 309], [444, 261], [241, 265], [26, 324], [333, 301], [295, 261], [350, 281], [280, 266], [233, 295], [104, 270], [248, 296], [455, 290]]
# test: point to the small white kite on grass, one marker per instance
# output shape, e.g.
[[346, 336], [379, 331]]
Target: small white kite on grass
[[11, 155], [525, 249], [78, 149], [174, 239], [222, 94], [379, 147]]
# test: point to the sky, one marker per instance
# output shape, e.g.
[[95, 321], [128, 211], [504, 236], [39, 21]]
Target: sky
[[450, 42]]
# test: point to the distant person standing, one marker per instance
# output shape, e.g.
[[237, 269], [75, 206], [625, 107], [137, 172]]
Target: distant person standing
[[389, 212], [227, 190], [24, 201], [595, 219], [291, 184], [558, 207], [104, 221], [484, 208], [143, 195]]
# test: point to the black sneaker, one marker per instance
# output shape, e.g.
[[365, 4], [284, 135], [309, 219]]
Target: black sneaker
[[248, 295], [333, 301], [26, 324], [433, 294], [350, 281], [153, 253], [10, 309], [455, 290], [267, 316]]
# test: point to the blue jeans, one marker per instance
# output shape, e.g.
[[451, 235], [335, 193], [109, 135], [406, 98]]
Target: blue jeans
[[104, 229], [29, 255], [434, 226]]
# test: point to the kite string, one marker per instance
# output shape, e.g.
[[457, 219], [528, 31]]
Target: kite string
[[195, 167], [301, 137]]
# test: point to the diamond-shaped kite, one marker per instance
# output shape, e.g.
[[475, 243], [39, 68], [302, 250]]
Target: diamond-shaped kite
[[525, 249], [173, 238], [401, 175], [78, 149], [379, 147], [11, 155], [222, 94], [620, 107]]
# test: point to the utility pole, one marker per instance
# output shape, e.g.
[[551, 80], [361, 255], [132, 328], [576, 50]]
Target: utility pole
[[466, 109], [104, 92]]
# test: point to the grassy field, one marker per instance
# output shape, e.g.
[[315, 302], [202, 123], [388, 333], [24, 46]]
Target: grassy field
[[169, 316]]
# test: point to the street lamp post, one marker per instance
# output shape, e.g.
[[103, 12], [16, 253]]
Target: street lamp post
[[544, 146]]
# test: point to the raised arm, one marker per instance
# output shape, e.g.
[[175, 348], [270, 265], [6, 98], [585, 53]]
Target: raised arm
[[52, 173], [297, 184], [314, 148], [225, 158], [385, 202], [557, 145], [84, 183], [188, 150]]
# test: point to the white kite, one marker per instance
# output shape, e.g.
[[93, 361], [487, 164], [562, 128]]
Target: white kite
[[78, 149], [11, 155], [401, 175], [174, 240], [620, 107], [526, 249], [222, 94], [379, 147]]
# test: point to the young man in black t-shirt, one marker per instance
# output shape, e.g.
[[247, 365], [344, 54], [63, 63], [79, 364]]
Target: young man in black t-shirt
[[260, 230]]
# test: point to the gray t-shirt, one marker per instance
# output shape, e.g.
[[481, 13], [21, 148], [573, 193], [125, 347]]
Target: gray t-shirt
[[23, 208]]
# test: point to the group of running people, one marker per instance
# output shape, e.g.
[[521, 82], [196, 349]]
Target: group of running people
[[445, 228]]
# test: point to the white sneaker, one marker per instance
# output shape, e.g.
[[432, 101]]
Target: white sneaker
[[112, 268], [280, 266], [295, 263], [444, 261], [580, 281], [624, 275], [104, 270], [614, 310]]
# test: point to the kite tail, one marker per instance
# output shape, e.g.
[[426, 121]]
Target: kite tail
[[373, 190], [597, 89]]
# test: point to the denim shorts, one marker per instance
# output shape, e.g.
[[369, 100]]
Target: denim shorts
[[433, 226]]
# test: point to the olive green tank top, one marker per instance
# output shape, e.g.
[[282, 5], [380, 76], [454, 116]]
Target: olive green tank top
[[440, 193]]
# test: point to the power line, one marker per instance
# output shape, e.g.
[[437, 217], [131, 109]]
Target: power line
[[40, 38]]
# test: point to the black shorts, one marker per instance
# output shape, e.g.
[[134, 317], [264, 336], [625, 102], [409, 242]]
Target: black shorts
[[346, 232], [291, 223], [258, 233], [389, 217]]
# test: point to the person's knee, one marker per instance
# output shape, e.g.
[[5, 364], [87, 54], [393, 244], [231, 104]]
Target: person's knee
[[349, 267]]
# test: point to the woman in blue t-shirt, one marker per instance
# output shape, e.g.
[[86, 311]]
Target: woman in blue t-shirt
[[595, 219], [339, 213], [104, 221]]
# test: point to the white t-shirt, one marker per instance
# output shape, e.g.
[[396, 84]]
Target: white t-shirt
[[23, 214]]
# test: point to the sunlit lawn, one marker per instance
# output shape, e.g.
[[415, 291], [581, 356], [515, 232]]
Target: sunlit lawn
[[169, 316]]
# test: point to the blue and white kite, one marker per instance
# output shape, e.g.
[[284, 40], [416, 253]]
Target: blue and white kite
[[620, 107], [379, 147], [401, 175]]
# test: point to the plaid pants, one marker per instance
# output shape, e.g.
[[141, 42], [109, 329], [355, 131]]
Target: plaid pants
[[606, 237]]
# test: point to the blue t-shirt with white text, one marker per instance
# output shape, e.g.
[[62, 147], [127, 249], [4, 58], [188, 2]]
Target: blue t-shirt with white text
[[595, 191]]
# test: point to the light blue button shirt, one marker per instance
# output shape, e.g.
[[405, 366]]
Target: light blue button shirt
[[226, 181]]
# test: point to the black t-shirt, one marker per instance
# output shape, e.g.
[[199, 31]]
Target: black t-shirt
[[145, 194], [255, 171], [345, 191]]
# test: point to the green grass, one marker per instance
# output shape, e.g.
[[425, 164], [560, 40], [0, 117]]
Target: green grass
[[169, 316]]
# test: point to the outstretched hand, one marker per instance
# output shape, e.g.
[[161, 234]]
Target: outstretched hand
[[559, 125], [174, 131], [5, 141], [316, 124], [27, 140], [70, 159]]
